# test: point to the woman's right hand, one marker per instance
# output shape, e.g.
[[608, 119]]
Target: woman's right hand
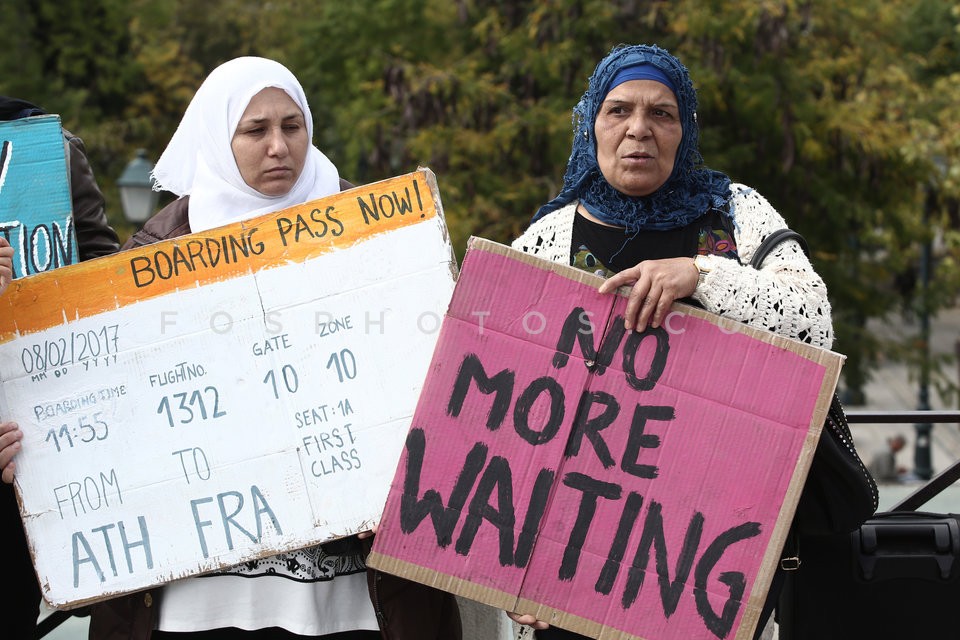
[[10, 437], [654, 286]]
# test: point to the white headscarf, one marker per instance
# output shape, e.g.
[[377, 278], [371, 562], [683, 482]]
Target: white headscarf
[[199, 160]]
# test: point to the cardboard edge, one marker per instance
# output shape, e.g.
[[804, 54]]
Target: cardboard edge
[[574, 623], [475, 243], [431, 179]]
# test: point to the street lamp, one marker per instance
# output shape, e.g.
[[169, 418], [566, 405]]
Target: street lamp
[[137, 196]]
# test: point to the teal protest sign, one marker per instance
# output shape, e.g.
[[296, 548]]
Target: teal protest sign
[[35, 210]]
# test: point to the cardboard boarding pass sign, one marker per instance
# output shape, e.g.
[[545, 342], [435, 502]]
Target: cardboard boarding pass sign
[[621, 485], [225, 395], [36, 215]]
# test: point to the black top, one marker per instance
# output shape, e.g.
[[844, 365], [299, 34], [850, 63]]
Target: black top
[[604, 250]]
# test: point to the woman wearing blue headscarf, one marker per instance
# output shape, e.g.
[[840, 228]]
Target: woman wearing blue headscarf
[[639, 208]]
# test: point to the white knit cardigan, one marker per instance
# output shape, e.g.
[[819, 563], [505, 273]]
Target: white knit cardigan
[[785, 295]]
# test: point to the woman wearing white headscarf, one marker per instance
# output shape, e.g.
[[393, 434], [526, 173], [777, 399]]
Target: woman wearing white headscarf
[[244, 148], [199, 160]]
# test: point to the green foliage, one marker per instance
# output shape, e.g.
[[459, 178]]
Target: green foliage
[[843, 114]]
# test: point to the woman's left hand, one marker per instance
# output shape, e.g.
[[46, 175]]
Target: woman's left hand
[[528, 620], [10, 437], [656, 284]]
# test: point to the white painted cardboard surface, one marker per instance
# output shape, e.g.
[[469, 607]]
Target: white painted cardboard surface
[[217, 422]]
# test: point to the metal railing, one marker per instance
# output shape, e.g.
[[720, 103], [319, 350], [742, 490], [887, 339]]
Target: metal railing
[[923, 422], [902, 417], [51, 622]]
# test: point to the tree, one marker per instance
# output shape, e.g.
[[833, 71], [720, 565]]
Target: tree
[[815, 98]]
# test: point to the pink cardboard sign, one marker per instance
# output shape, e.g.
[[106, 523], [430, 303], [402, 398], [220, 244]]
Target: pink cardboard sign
[[618, 484]]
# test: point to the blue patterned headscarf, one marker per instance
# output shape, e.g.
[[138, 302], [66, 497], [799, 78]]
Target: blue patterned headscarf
[[689, 192]]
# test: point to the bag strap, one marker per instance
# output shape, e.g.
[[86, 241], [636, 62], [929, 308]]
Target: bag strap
[[772, 240]]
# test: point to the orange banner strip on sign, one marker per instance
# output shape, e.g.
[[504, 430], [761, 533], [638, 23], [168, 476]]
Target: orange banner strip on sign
[[292, 235]]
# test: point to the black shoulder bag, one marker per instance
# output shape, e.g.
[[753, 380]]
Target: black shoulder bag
[[839, 494]]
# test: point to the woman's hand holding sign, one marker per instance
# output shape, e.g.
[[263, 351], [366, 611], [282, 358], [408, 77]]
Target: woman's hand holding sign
[[528, 620], [10, 436], [6, 264]]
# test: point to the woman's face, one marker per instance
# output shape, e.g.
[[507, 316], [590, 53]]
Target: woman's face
[[638, 133], [270, 144]]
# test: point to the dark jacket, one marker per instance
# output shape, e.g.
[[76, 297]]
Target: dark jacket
[[406, 610], [95, 236]]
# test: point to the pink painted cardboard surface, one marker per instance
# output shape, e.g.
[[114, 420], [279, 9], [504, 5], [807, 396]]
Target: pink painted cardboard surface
[[679, 455]]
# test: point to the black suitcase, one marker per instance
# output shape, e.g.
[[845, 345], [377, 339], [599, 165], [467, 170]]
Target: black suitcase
[[895, 578]]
